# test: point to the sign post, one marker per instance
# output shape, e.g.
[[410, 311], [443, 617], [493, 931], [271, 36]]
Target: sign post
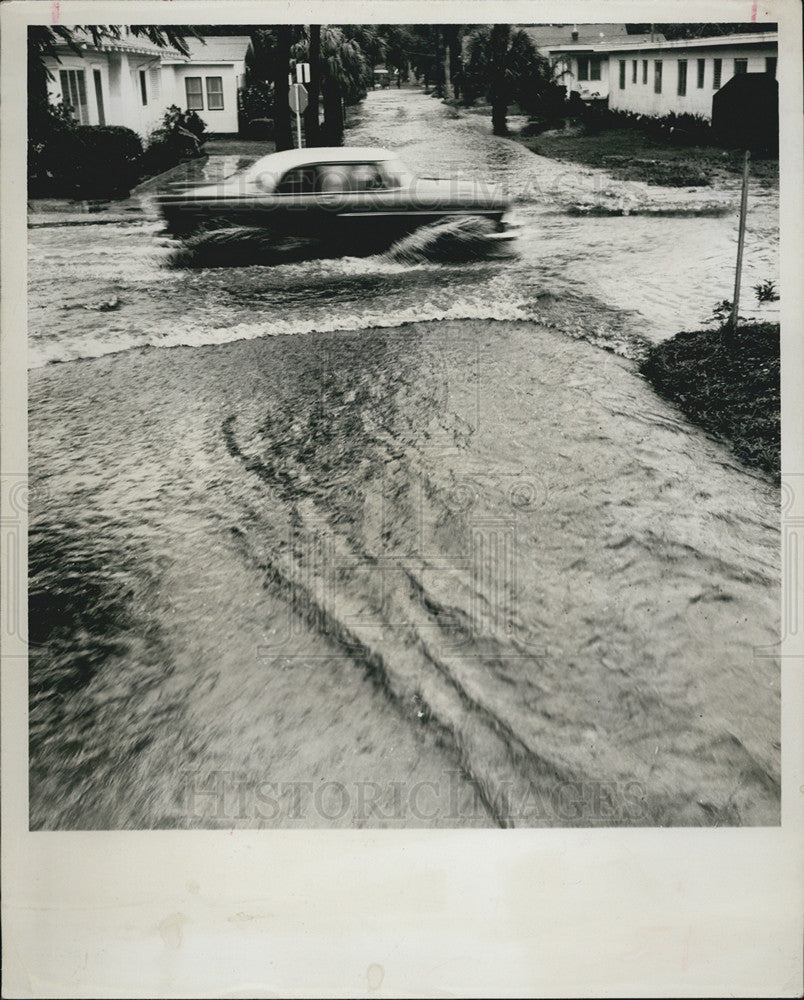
[[297, 98], [735, 307]]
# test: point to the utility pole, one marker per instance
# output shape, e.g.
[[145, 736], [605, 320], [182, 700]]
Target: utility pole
[[735, 308]]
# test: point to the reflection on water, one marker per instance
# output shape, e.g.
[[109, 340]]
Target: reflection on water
[[480, 558]]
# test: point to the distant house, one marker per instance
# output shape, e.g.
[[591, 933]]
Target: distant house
[[131, 82], [657, 77], [588, 77]]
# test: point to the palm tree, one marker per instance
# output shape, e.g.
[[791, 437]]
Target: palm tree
[[498, 88], [283, 39], [505, 66], [399, 43], [311, 124], [452, 38], [343, 74], [438, 50]]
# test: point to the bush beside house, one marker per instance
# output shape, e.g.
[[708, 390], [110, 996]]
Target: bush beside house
[[68, 160]]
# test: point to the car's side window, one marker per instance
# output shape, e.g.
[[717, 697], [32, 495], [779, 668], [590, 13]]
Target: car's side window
[[366, 177], [391, 178], [333, 178], [300, 180]]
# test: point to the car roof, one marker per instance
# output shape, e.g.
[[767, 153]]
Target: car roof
[[289, 158]]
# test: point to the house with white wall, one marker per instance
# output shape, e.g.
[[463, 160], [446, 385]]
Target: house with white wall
[[575, 52], [657, 77], [130, 81]]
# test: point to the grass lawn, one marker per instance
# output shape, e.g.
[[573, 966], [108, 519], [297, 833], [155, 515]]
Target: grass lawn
[[239, 147], [727, 385], [632, 155]]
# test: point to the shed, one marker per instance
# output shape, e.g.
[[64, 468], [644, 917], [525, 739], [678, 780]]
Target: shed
[[745, 112]]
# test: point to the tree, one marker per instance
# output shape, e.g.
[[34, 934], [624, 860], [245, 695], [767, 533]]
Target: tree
[[311, 125], [399, 42], [699, 29], [505, 66], [343, 76], [499, 91], [452, 39], [438, 60], [423, 54], [283, 40]]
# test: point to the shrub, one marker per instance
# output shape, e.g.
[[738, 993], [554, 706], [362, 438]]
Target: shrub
[[52, 136], [110, 158], [177, 139], [255, 103], [81, 161], [682, 130], [728, 384]]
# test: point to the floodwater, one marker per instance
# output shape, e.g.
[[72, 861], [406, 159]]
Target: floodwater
[[389, 545], [616, 279]]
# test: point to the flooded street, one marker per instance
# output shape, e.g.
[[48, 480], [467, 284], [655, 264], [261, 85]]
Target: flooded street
[[379, 544]]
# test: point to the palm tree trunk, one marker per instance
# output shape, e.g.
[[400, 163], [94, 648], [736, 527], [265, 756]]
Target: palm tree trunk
[[439, 60], [455, 62], [283, 135], [311, 126], [498, 92], [333, 115]]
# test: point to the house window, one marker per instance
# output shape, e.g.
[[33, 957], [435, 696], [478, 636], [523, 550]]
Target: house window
[[770, 65], [215, 93], [644, 70], [73, 92], [594, 68], [144, 86], [701, 72], [633, 71], [657, 76], [622, 74], [717, 69], [97, 80], [195, 93], [740, 66], [682, 77], [583, 67]]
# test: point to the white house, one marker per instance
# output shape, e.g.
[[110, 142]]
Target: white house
[[131, 82], [658, 77], [574, 50]]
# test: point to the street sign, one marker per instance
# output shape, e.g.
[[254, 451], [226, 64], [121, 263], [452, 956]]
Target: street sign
[[297, 97], [303, 72]]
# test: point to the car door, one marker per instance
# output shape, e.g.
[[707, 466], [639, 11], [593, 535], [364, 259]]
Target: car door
[[296, 208]]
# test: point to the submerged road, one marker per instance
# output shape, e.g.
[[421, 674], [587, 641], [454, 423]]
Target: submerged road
[[382, 545]]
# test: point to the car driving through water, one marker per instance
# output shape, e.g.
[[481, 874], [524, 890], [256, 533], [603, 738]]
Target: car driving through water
[[359, 200]]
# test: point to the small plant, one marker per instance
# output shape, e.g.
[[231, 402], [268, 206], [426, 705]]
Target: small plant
[[766, 291], [721, 313], [178, 138]]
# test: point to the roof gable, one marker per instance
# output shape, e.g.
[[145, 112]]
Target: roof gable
[[218, 48]]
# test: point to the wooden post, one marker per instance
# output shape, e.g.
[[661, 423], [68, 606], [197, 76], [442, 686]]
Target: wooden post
[[735, 308]]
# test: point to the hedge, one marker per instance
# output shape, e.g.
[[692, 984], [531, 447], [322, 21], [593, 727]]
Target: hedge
[[90, 161]]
